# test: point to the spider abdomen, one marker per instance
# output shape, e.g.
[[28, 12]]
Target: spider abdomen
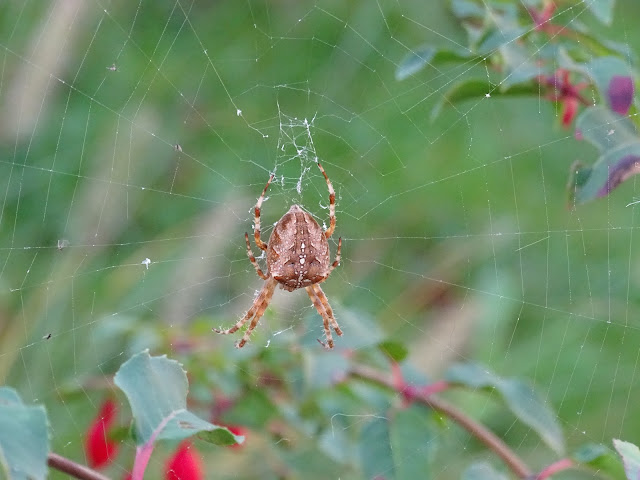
[[298, 251]]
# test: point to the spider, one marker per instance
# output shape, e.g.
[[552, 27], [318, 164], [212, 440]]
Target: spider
[[297, 256]]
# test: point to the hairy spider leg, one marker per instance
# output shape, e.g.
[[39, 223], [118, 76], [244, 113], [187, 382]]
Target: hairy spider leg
[[268, 290], [336, 262], [256, 229], [256, 311], [252, 259], [321, 303], [325, 318], [325, 302], [332, 204]]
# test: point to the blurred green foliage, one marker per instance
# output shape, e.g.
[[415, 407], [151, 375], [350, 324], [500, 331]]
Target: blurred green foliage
[[121, 140]]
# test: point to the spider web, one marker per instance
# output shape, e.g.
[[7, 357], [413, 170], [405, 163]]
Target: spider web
[[136, 137]]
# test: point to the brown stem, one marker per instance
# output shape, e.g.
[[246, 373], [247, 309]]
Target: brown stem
[[483, 434], [72, 468]]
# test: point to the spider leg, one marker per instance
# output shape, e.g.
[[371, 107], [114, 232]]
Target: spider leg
[[256, 311], [256, 229], [336, 262], [325, 303], [252, 259], [267, 290], [325, 318], [332, 204]]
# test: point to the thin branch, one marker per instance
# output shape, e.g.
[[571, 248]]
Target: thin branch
[[556, 467], [483, 434], [143, 452], [72, 468]]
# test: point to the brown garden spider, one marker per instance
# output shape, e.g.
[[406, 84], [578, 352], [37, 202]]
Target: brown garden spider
[[297, 256]]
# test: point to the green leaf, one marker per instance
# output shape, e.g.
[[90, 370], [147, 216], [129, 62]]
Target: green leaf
[[521, 399], [630, 458], [590, 453], [482, 471], [618, 141], [398, 448], [531, 409], [376, 456], [219, 436], [601, 459], [414, 62], [24, 439], [599, 45], [412, 442], [156, 388], [471, 375], [501, 37], [602, 10], [396, 351], [478, 89], [417, 59]]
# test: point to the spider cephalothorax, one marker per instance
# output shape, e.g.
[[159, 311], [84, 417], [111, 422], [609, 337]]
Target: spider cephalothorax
[[297, 256]]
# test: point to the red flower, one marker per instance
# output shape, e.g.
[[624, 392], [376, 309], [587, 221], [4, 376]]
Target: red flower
[[565, 93], [185, 464], [100, 450], [569, 110]]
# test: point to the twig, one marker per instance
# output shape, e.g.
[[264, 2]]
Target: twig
[[556, 467], [143, 452], [72, 468], [483, 434]]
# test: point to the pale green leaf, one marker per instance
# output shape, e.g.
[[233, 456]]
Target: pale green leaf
[[376, 456], [619, 144], [417, 59], [24, 439], [412, 442], [630, 458], [599, 458], [479, 89], [157, 388]]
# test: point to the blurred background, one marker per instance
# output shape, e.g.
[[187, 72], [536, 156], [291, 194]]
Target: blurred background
[[135, 138]]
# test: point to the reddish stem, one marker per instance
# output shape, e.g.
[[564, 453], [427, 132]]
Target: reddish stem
[[436, 387], [143, 452], [555, 467], [410, 392]]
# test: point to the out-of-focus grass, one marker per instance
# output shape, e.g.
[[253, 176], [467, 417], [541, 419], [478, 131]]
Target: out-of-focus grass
[[456, 235]]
